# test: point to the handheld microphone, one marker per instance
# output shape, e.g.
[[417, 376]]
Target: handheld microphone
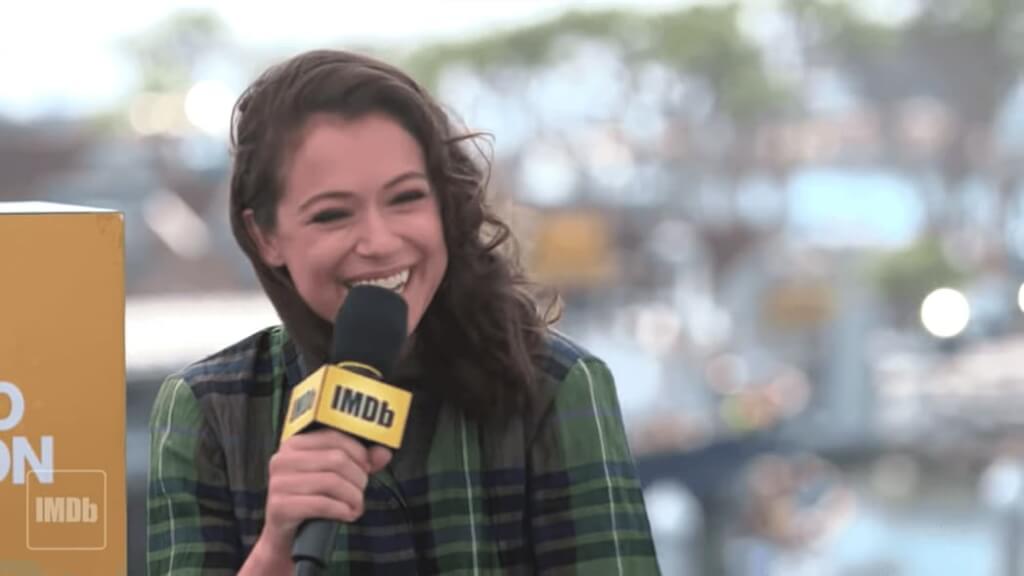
[[349, 395]]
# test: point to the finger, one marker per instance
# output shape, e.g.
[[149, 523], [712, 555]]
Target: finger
[[379, 458], [328, 460], [292, 510], [326, 438], [319, 484]]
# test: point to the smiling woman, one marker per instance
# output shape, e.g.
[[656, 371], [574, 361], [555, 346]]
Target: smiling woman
[[515, 460], [357, 207]]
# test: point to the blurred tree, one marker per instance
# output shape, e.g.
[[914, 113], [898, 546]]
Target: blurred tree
[[527, 48], [965, 56], [711, 91], [167, 58], [907, 276], [167, 55], [704, 45]]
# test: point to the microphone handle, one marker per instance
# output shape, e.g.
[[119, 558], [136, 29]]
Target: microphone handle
[[314, 539], [314, 542]]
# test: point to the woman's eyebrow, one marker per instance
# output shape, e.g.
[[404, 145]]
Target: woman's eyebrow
[[411, 174], [338, 194]]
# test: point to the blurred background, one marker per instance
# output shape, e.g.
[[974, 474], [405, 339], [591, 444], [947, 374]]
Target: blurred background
[[793, 228]]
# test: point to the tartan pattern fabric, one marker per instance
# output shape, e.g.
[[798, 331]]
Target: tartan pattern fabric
[[554, 492]]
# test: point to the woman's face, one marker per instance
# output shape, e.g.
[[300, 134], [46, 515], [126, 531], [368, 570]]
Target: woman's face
[[357, 207]]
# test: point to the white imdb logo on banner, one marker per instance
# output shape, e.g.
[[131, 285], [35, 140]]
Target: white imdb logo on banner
[[61, 509], [68, 513]]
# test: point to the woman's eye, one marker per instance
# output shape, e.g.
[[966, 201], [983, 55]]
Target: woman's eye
[[409, 196], [329, 216]]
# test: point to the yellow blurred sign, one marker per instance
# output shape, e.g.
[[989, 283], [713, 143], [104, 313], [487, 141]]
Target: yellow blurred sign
[[794, 305], [62, 390], [573, 249]]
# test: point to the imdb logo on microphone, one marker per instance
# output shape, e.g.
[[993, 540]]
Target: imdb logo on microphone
[[66, 510], [341, 399]]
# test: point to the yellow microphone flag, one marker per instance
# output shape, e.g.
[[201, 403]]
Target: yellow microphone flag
[[352, 403]]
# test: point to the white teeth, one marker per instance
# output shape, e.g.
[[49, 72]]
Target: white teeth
[[395, 282]]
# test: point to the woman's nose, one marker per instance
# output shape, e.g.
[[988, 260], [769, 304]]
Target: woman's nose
[[377, 235]]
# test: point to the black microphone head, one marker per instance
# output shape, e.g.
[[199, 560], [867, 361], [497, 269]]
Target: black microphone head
[[370, 328]]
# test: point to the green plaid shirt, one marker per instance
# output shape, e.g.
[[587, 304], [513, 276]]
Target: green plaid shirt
[[553, 493]]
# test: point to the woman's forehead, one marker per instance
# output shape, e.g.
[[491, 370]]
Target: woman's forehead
[[357, 155]]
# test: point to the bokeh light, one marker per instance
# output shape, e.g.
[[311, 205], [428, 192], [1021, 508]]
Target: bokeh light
[[945, 312]]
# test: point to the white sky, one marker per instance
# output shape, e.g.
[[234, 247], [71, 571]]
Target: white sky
[[66, 56], [63, 56]]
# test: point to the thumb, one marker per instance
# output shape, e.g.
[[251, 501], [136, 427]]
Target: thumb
[[379, 458]]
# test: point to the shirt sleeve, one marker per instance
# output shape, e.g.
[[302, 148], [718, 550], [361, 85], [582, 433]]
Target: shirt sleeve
[[587, 513], [191, 528]]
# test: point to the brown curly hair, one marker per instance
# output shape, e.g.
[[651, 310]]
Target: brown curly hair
[[482, 336]]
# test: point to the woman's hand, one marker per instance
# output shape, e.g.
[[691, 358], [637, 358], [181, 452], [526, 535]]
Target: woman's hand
[[321, 474]]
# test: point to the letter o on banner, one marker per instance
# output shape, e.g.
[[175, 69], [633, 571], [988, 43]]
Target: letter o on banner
[[17, 401]]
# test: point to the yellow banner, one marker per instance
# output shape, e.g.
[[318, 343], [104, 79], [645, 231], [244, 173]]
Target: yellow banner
[[62, 391]]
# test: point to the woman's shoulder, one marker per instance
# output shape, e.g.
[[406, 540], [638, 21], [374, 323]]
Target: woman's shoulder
[[240, 367], [561, 355], [566, 368]]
